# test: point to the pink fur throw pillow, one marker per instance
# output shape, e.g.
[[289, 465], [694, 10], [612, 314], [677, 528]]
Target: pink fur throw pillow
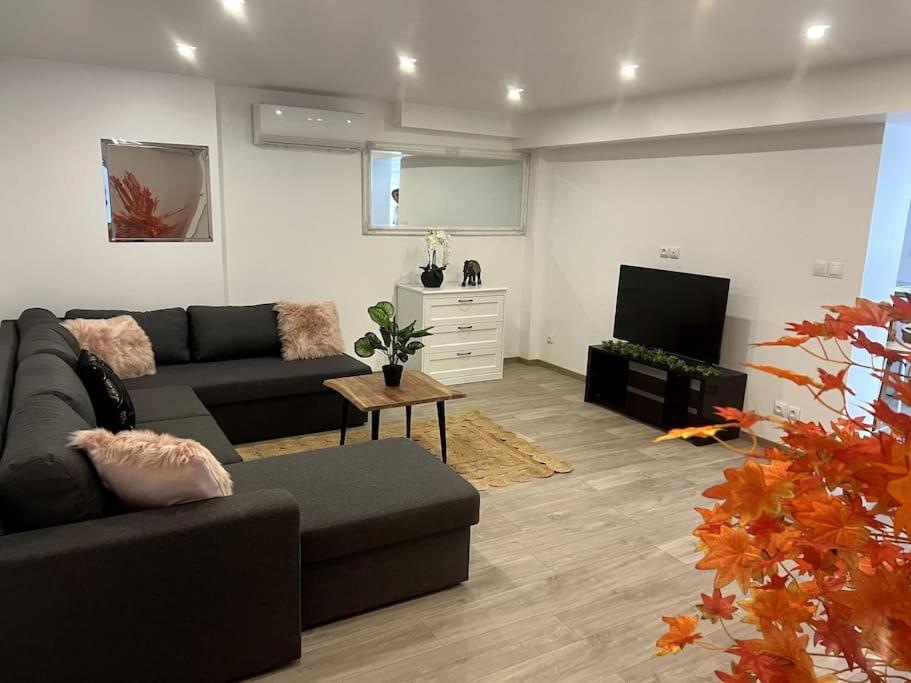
[[120, 342], [148, 470], [309, 330]]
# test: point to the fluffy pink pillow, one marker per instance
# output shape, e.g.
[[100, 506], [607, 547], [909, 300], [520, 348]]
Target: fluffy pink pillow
[[149, 470], [309, 330], [120, 342]]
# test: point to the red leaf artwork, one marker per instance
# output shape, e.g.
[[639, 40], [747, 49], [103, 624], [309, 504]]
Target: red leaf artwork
[[140, 219]]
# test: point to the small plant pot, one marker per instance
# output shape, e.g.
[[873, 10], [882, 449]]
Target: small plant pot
[[393, 375], [432, 277]]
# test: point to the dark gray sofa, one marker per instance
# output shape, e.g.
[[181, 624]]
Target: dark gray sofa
[[214, 590]]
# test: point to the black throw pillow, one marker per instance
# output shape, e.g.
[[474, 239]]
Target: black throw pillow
[[110, 399]]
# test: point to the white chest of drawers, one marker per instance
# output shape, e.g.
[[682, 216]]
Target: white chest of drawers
[[468, 324]]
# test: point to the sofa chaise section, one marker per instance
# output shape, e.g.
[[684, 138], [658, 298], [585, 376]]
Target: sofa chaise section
[[381, 522]]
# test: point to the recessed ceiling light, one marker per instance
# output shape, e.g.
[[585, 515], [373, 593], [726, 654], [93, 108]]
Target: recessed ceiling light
[[279, 112], [817, 31], [408, 65], [187, 51], [628, 71], [347, 120], [514, 94], [235, 7]]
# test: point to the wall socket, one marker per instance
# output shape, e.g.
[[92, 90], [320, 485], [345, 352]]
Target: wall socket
[[786, 412], [669, 252], [834, 269]]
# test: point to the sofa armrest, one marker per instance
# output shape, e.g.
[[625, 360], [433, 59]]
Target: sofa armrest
[[206, 591]]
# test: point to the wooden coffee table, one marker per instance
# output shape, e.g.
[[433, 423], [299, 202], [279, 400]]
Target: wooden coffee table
[[370, 394]]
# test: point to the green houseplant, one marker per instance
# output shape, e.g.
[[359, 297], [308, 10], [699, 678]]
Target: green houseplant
[[396, 342]]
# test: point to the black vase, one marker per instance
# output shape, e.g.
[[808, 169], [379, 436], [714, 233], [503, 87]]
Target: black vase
[[432, 276], [393, 375]]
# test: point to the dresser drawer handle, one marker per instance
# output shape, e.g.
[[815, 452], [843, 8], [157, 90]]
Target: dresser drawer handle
[[466, 301], [464, 353], [465, 327]]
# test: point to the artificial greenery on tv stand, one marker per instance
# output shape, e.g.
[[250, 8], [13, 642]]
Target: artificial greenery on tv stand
[[659, 358]]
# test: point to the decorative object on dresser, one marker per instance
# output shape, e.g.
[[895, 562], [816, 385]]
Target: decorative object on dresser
[[396, 343], [666, 398], [467, 341], [369, 395], [471, 274], [437, 244]]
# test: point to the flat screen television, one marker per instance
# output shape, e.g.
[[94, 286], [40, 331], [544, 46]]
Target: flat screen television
[[681, 313]]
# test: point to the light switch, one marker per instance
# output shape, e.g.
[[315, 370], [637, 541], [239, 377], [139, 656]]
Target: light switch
[[821, 268], [837, 269]]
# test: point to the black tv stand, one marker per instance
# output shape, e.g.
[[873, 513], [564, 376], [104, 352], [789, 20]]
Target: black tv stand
[[660, 397]]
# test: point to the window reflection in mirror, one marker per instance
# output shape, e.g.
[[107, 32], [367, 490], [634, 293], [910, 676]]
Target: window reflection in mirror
[[426, 189]]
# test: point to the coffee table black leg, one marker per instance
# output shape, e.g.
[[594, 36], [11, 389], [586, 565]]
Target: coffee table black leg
[[441, 418], [375, 425], [345, 407], [407, 422]]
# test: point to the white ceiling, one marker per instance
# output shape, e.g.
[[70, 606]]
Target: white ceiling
[[563, 52]]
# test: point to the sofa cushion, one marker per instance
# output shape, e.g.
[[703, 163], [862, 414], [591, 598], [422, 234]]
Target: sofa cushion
[[110, 399], [167, 328], [203, 429], [166, 403], [252, 379], [146, 469], [226, 332], [53, 339], [364, 496], [34, 316], [45, 373], [120, 342], [44, 482]]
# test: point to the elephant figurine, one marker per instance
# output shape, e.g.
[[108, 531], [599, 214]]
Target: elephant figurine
[[471, 273]]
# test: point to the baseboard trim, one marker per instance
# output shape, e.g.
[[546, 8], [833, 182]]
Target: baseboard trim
[[544, 364]]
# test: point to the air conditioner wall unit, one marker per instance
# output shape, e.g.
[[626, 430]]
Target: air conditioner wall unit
[[278, 125]]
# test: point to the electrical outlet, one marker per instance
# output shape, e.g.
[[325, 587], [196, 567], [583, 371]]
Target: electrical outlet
[[793, 413], [673, 252], [663, 252], [837, 269], [781, 409], [549, 339], [820, 268]]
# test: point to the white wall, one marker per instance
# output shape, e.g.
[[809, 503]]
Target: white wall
[[293, 220], [54, 248], [758, 217]]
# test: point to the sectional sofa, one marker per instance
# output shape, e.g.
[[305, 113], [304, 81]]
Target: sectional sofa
[[220, 589]]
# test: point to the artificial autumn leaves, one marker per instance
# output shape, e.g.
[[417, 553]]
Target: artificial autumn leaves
[[815, 534]]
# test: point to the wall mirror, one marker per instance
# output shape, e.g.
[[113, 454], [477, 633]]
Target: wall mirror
[[411, 189]]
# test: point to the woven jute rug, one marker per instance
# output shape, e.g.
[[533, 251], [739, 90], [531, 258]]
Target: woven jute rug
[[479, 449]]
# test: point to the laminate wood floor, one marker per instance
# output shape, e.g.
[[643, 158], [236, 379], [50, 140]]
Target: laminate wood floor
[[569, 575]]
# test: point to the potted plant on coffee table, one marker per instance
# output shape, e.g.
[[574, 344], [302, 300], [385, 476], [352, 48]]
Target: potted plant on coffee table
[[396, 342]]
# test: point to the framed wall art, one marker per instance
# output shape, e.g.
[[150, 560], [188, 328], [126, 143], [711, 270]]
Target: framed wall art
[[156, 192]]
